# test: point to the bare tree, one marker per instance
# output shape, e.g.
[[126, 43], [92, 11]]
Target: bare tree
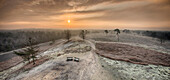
[[162, 38], [83, 34], [117, 33], [29, 52], [67, 34]]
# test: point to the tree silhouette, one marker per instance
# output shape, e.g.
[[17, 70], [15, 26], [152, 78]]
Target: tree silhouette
[[117, 33], [83, 34], [106, 31], [162, 37]]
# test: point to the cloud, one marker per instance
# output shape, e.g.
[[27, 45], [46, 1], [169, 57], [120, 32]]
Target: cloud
[[162, 1], [135, 12]]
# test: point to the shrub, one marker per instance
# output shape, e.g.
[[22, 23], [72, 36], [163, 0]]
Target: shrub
[[29, 52]]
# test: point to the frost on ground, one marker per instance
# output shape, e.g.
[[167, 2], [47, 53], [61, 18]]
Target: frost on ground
[[89, 67], [128, 71], [133, 39], [137, 55], [122, 70]]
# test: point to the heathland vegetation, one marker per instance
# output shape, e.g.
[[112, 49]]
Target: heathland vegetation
[[161, 35], [15, 39]]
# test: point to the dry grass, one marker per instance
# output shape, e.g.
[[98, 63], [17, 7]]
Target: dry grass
[[137, 55], [151, 43]]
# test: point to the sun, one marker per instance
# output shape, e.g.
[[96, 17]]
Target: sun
[[68, 21]]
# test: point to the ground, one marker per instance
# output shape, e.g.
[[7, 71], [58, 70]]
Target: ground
[[58, 68], [133, 54], [52, 65], [9, 59], [134, 40]]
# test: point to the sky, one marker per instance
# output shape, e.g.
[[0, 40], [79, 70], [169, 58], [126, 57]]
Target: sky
[[85, 14]]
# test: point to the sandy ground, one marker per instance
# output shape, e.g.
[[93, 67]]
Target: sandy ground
[[122, 70], [9, 59], [91, 65], [57, 68], [10, 63]]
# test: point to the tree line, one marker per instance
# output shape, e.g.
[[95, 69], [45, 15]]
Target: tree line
[[14, 39], [162, 36]]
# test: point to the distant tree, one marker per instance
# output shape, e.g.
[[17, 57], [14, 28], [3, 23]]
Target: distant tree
[[29, 52], [106, 31], [67, 34], [153, 34], [15, 39], [83, 34], [126, 31], [117, 33], [162, 37]]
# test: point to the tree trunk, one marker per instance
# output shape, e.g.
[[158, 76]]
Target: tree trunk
[[118, 37], [161, 41], [33, 59], [28, 59]]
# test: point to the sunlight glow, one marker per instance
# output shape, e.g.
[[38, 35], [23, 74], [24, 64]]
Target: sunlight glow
[[68, 21]]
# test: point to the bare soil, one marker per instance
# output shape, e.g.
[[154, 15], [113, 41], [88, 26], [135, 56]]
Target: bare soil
[[137, 55], [37, 62], [28, 66], [10, 63]]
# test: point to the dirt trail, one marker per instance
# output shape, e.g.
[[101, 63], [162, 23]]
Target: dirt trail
[[57, 68]]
